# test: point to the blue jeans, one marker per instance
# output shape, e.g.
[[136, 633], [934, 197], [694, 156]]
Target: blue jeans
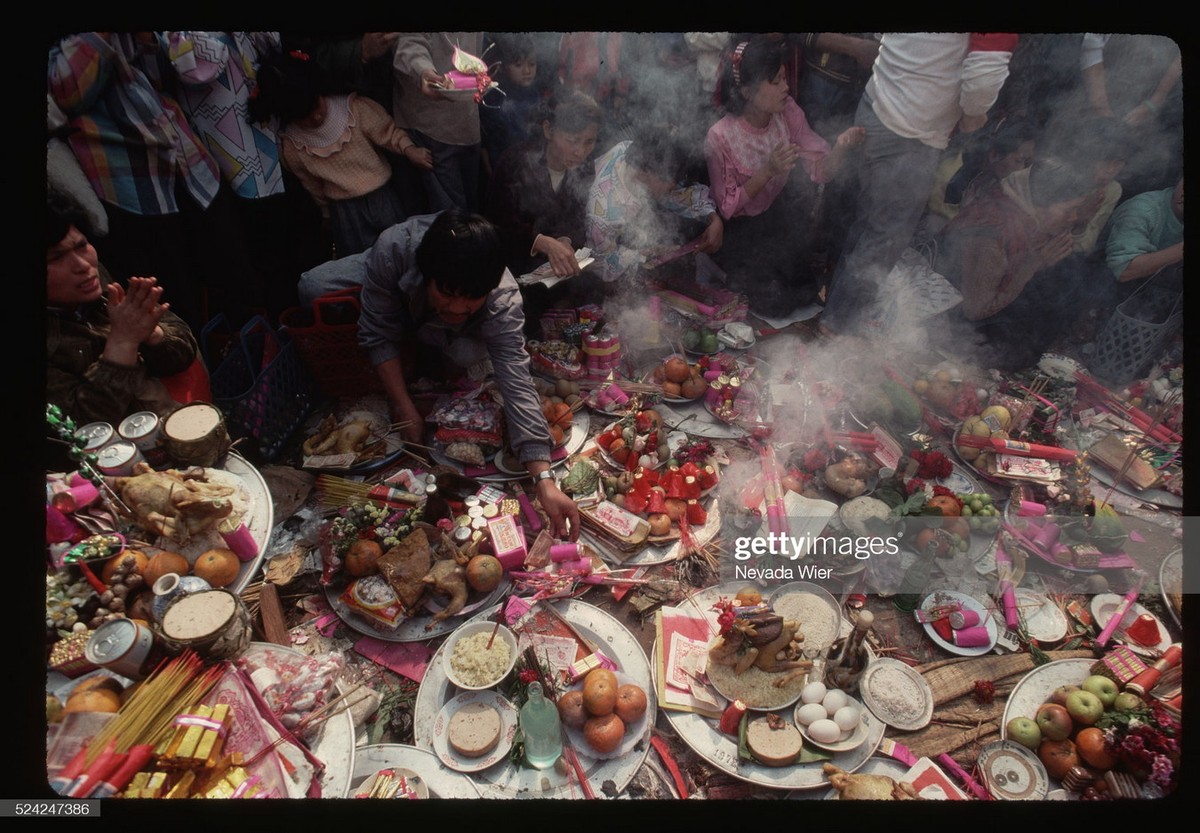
[[896, 175]]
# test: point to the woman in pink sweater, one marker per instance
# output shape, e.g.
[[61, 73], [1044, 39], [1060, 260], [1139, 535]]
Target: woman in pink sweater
[[337, 146], [751, 153]]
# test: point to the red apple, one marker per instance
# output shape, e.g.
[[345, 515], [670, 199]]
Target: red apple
[[1059, 695], [1084, 707], [1054, 721]]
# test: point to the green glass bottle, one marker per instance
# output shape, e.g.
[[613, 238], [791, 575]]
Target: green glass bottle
[[541, 729]]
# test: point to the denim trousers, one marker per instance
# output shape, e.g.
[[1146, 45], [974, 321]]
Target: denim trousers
[[896, 176]]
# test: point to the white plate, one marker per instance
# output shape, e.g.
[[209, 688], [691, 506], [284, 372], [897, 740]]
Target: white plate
[[886, 680], [441, 729], [442, 782], [706, 740], [598, 627], [1170, 579], [835, 612], [1104, 605], [334, 741], [634, 734], [573, 443], [1044, 621], [411, 629], [875, 766], [1059, 367], [1035, 687], [968, 602], [848, 740]]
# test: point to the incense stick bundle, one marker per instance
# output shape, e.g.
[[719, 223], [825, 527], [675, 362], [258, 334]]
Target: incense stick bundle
[[339, 491], [1016, 448]]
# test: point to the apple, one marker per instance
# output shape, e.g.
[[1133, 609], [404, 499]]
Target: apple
[[1024, 731], [1084, 707], [1102, 687], [1054, 721], [1127, 701], [1060, 694]]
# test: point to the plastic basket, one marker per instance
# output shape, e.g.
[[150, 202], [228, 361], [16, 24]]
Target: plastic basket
[[260, 384], [1137, 333], [326, 338]]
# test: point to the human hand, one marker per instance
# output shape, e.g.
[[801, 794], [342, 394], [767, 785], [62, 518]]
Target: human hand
[[405, 413], [432, 83], [851, 137], [865, 51], [1055, 248], [419, 156], [969, 124], [561, 509], [560, 253], [713, 236], [134, 313], [1138, 115], [782, 159], [375, 44]]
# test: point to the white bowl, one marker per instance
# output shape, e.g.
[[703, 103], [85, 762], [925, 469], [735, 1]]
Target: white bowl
[[503, 635]]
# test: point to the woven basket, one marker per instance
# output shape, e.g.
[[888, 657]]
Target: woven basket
[[260, 384], [1137, 333], [326, 337]]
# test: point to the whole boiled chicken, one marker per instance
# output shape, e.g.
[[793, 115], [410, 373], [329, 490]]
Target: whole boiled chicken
[[174, 504], [855, 787]]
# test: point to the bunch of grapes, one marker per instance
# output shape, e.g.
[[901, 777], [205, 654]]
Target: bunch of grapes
[[980, 512]]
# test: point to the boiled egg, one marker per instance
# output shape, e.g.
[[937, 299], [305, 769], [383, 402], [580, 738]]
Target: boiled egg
[[847, 717], [810, 712], [834, 699], [812, 693], [824, 731]]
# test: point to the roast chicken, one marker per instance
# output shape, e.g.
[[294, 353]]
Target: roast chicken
[[331, 438], [762, 639], [855, 787], [177, 505]]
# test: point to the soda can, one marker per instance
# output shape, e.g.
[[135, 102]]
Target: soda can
[[123, 646], [144, 429], [117, 459], [98, 435]]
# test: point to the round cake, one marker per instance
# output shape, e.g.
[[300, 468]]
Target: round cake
[[474, 730]]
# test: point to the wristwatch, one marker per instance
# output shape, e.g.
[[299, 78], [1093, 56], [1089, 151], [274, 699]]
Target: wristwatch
[[547, 474]]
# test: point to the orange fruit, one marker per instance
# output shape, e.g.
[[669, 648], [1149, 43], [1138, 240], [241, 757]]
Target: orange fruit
[[1058, 756], [631, 702], [362, 557], [604, 733], [600, 691], [1089, 743], [110, 567], [95, 694], [219, 567], [571, 710], [162, 563], [484, 573]]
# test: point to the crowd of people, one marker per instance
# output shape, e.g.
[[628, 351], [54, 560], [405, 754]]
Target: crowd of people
[[196, 173]]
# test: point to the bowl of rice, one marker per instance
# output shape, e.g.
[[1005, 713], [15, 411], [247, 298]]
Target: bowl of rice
[[468, 661]]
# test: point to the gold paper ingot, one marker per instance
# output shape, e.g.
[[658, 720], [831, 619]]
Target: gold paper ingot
[[183, 787], [211, 742]]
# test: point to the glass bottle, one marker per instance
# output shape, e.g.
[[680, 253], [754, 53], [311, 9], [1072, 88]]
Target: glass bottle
[[541, 729], [848, 656], [436, 507]]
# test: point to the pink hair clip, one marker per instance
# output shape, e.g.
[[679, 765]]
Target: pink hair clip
[[737, 62]]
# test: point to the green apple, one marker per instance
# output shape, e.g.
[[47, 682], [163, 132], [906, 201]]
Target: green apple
[[1102, 687], [708, 342], [1084, 707], [1127, 701], [1054, 721], [1024, 731]]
